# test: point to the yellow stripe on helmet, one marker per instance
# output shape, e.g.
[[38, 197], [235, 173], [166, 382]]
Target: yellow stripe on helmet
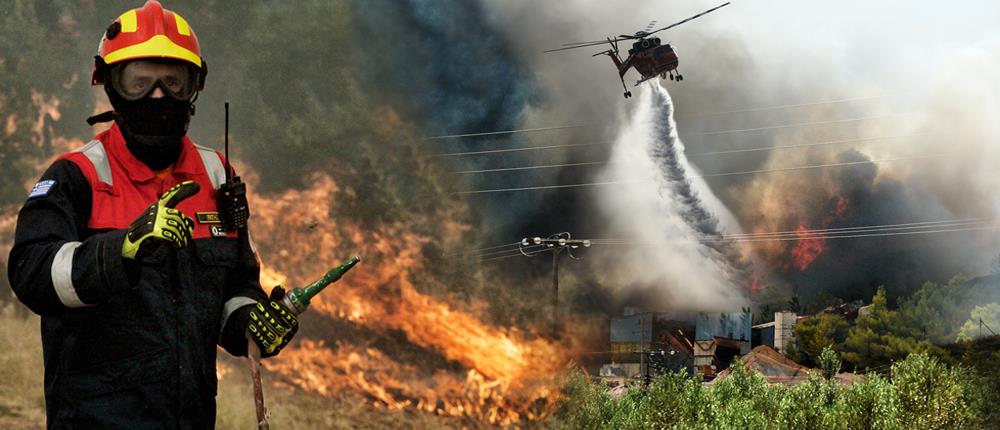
[[157, 46], [129, 21], [182, 25]]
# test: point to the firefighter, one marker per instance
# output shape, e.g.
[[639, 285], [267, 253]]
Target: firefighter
[[120, 249]]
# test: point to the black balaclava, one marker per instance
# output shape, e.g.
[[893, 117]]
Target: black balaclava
[[152, 128]]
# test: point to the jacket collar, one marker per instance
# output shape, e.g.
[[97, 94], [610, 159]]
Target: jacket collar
[[188, 162]]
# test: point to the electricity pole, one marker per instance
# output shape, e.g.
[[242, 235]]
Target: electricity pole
[[555, 243]]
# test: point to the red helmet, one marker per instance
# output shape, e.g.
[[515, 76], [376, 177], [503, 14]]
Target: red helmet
[[149, 32]]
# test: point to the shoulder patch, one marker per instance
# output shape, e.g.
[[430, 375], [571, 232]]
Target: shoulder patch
[[41, 188]]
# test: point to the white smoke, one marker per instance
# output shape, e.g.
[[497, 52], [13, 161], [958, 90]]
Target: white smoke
[[661, 212]]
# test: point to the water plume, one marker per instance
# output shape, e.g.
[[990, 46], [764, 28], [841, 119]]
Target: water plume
[[661, 213]]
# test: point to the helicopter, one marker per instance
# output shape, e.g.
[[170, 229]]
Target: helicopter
[[648, 55]]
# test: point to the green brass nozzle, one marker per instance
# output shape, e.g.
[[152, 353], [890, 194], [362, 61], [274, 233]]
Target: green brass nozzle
[[298, 299]]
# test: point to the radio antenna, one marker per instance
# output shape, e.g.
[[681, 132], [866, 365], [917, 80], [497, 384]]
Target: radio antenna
[[229, 174]]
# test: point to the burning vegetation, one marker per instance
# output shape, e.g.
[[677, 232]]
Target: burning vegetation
[[392, 343]]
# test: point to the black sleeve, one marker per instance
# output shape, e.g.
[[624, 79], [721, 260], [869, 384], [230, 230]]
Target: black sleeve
[[242, 290], [52, 267]]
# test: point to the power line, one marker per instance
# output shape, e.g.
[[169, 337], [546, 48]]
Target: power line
[[494, 133], [529, 148], [547, 166], [785, 239], [781, 239], [831, 142], [546, 187], [517, 251], [472, 251], [801, 124], [570, 126], [808, 233], [877, 227], [763, 108], [598, 163], [500, 258], [800, 145], [819, 166], [530, 247], [830, 232], [710, 175]]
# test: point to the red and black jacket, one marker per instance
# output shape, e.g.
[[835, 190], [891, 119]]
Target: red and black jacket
[[130, 344]]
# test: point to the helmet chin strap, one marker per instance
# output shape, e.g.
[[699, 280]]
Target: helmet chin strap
[[106, 116]]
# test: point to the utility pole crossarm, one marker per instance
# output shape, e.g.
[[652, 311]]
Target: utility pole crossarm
[[555, 243]]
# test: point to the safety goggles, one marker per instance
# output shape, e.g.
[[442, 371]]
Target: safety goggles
[[137, 79]]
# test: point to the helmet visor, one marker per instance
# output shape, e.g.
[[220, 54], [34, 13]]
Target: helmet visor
[[137, 79]]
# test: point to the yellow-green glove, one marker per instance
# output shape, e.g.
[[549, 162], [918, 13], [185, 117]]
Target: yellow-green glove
[[162, 222], [271, 326]]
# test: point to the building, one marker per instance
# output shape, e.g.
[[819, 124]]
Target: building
[[644, 344], [719, 337], [778, 334], [778, 369]]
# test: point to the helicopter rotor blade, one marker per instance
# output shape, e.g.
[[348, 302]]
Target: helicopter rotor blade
[[585, 44], [595, 41], [621, 37], [686, 20]]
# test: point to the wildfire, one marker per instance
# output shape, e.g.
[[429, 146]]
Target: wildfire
[[810, 246], [433, 354], [493, 373], [807, 248]]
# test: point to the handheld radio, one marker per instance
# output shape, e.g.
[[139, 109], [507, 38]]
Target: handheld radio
[[232, 197]]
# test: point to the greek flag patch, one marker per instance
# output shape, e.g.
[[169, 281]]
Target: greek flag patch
[[41, 188]]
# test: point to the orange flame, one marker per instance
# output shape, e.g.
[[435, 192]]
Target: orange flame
[[807, 248], [492, 373]]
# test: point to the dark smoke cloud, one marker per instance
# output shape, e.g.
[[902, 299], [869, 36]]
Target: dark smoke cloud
[[446, 64], [755, 55], [451, 68]]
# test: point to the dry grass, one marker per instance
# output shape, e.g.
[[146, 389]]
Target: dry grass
[[292, 408], [22, 403]]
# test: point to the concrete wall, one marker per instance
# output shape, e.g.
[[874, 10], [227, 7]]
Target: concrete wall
[[784, 330]]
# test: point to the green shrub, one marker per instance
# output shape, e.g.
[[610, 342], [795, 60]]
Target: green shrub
[[930, 394], [924, 394], [587, 405], [867, 404]]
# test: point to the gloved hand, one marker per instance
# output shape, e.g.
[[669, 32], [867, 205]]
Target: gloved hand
[[271, 325], [162, 222]]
